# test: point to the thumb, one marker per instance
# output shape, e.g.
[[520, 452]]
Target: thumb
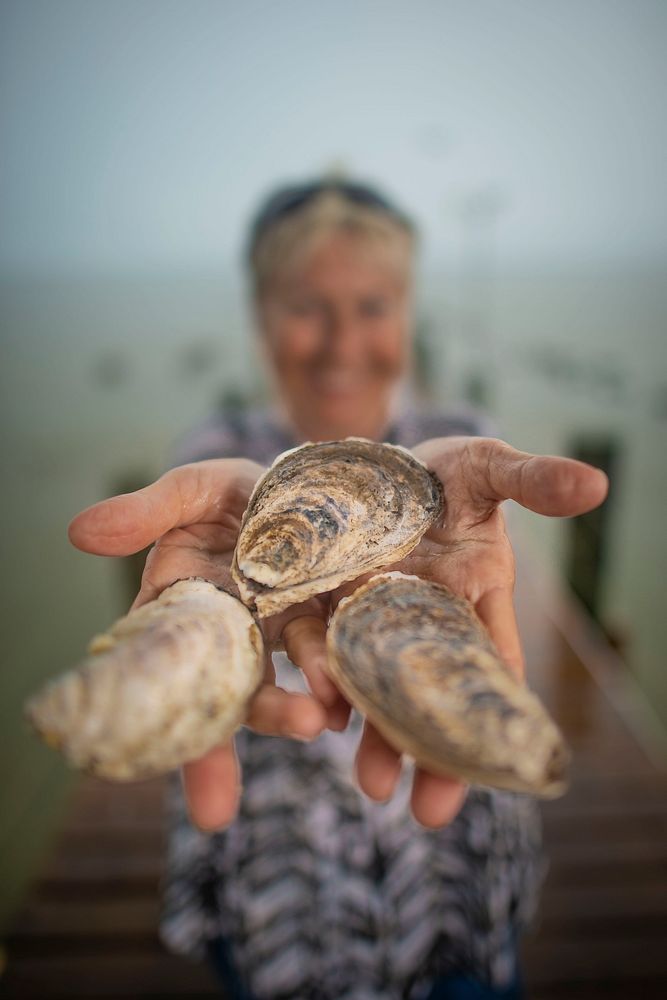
[[483, 472], [191, 494], [550, 485]]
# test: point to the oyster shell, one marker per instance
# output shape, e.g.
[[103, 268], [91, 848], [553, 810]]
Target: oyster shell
[[418, 662], [162, 686], [326, 513]]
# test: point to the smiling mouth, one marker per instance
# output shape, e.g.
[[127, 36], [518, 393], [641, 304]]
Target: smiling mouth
[[339, 383]]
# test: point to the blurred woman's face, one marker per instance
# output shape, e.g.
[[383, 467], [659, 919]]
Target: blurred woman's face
[[337, 330]]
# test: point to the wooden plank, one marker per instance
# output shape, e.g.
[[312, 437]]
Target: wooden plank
[[651, 852], [609, 809], [103, 975], [72, 917], [624, 873], [26, 949], [603, 989], [629, 902], [619, 784], [101, 867], [147, 841], [598, 926], [92, 824], [96, 799], [617, 959], [574, 827], [116, 887]]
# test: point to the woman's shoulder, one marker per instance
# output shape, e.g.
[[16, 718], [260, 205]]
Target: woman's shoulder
[[232, 433], [430, 422]]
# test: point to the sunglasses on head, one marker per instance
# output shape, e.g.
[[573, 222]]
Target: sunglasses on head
[[290, 199]]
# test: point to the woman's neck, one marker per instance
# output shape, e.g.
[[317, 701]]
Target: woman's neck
[[305, 427]]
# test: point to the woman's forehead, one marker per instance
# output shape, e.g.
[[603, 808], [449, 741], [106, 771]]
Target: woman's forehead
[[343, 259]]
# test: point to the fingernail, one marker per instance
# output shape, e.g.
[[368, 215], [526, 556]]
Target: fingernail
[[210, 830], [338, 718]]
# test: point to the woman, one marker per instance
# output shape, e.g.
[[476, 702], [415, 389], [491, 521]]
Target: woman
[[314, 890]]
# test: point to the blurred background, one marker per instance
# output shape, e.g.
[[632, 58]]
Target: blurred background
[[527, 138]]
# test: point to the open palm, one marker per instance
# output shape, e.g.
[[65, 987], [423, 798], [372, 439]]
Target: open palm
[[193, 515], [471, 554]]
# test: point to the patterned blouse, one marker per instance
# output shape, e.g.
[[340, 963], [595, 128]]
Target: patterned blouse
[[320, 893]]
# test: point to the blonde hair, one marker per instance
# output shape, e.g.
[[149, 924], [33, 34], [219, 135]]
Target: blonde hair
[[292, 237]]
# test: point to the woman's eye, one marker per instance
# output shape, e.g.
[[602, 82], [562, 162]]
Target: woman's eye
[[374, 308], [304, 307]]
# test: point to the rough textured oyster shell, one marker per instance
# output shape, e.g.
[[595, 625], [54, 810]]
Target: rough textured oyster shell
[[326, 513], [163, 686], [417, 661]]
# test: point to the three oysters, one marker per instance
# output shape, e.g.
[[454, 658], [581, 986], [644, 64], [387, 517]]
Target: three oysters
[[174, 678]]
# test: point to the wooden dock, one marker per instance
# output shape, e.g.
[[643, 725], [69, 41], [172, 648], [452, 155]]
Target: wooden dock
[[88, 928]]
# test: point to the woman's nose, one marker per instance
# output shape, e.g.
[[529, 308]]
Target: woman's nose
[[344, 339]]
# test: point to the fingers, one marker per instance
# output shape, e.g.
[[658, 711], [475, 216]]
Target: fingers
[[212, 784], [165, 564], [378, 766], [190, 494], [275, 712], [557, 487], [496, 611], [212, 788], [436, 800], [482, 472], [304, 639]]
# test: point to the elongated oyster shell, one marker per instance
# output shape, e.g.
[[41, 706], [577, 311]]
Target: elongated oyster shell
[[326, 513], [163, 686], [417, 661]]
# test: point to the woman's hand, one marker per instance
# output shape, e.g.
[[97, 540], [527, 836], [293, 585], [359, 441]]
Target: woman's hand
[[193, 515], [471, 554]]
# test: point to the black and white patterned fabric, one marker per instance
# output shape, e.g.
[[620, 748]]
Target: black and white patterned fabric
[[322, 894]]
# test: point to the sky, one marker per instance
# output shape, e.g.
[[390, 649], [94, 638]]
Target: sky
[[139, 134]]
